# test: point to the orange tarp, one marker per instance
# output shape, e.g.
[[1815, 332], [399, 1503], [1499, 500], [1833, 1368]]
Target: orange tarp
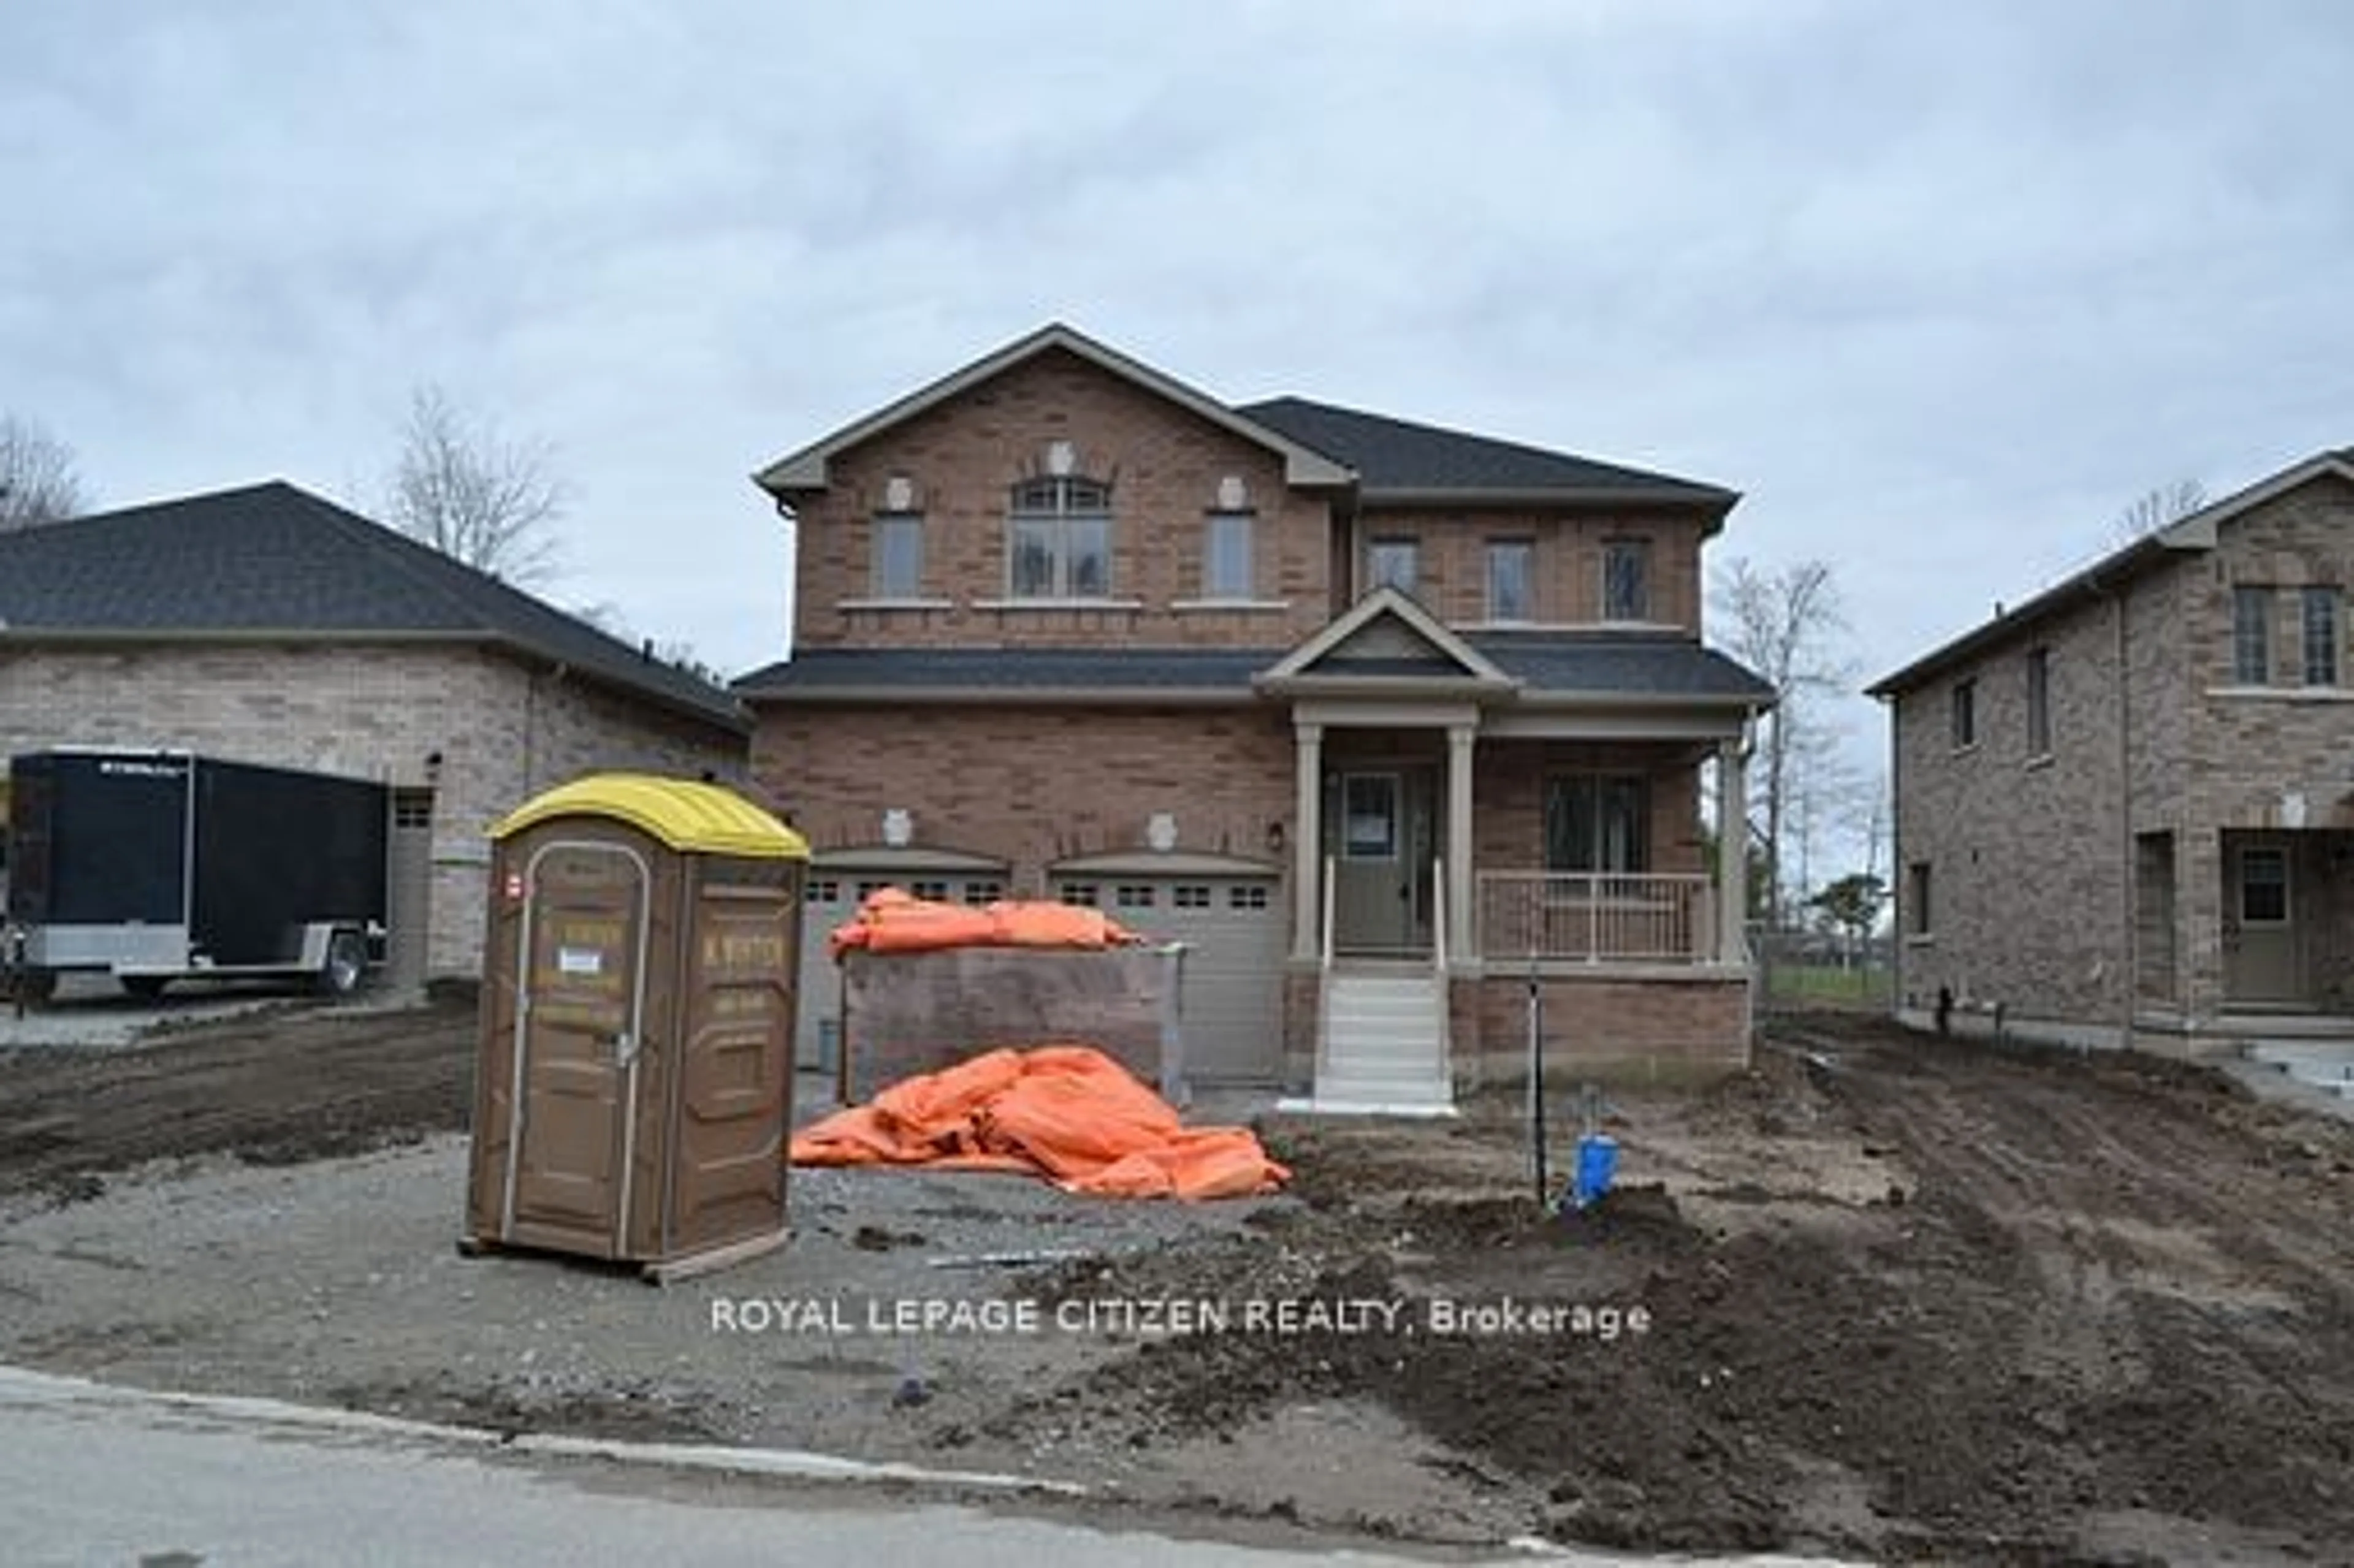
[[892, 920], [1068, 1113]]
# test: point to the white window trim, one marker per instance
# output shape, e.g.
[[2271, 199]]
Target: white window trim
[[1057, 604], [2283, 694], [863, 604], [1246, 606]]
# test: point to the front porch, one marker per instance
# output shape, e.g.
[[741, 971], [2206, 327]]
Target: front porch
[[1474, 823]]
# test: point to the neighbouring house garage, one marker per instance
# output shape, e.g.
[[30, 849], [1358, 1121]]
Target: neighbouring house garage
[[269, 625]]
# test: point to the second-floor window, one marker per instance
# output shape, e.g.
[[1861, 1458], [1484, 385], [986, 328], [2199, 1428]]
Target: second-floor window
[[1966, 715], [1058, 539], [2038, 702], [2252, 636], [1510, 579], [898, 554], [2321, 636], [1627, 581], [1226, 555], [1392, 563]]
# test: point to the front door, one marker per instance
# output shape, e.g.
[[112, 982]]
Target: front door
[[577, 1029], [2260, 956], [1381, 850]]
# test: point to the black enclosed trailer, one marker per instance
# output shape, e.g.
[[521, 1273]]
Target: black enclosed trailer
[[162, 865]]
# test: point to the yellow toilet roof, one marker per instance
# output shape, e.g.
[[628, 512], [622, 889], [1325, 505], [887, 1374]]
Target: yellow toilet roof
[[700, 819]]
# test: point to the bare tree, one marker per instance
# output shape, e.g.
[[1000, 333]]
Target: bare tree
[[472, 494], [2155, 508], [1787, 626], [37, 482]]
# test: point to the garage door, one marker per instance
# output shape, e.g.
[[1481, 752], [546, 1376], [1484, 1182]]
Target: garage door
[[1234, 932], [833, 896], [409, 908]]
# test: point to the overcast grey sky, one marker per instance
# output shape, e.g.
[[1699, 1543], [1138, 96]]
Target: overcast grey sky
[[1939, 288]]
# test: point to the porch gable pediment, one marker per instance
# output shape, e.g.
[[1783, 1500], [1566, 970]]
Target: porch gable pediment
[[1386, 638]]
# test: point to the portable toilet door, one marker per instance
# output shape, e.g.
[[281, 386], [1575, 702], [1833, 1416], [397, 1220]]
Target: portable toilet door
[[581, 1017]]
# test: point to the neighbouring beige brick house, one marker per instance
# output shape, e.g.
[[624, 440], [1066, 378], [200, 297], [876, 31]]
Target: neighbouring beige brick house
[[2125, 807], [267, 625], [1379, 719]]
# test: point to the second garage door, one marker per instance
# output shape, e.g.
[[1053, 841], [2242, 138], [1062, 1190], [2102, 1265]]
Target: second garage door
[[1234, 933]]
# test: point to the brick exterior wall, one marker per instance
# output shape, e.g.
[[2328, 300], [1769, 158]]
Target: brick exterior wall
[[963, 457], [503, 732], [1032, 786], [1663, 1027], [1451, 562], [2033, 899]]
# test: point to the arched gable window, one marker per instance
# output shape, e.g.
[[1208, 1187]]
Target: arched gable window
[[1058, 539]]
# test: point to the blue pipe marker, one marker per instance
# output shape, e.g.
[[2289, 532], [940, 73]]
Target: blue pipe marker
[[1597, 1163]]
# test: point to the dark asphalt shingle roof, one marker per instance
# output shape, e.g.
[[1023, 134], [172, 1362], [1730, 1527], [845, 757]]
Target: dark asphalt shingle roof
[[1016, 669], [1398, 455], [1604, 664], [274, 558], [1660, 663]]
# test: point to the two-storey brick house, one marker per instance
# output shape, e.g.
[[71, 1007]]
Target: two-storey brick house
[[1378, 718], [2124, 809]]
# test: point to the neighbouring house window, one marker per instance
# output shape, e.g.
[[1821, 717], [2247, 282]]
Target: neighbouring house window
[[934, 890], [2252, 636], [1081, 893], [1916, 898], [1597, 822], [412, 808], [980, 892], [1246, 896], [2321, 637], [823, 890], [1135, 895], [2263, 887], [1510, 564], [1966, 715], [1189, 895], [1058, 539], [2038, 702], [1626, 579], [1226, 555], [898, 554], [1392, 563]]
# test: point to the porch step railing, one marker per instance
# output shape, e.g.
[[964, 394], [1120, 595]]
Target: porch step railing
[[1596, 918]]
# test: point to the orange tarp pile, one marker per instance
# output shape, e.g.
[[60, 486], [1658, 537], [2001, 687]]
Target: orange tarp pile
[[1065, 1112], [893, 921]]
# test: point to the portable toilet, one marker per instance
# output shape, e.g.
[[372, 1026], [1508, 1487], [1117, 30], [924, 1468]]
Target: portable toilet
[[634, 1088]]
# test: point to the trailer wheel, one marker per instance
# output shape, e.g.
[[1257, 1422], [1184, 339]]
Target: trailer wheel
[[33, 987], [146, 987], [346, 964]]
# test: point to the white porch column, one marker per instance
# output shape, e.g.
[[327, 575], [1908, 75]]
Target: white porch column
[[1459, 880], [1733, 851], [1307, 843]]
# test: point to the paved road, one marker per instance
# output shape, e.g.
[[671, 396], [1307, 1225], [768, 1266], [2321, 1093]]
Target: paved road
[[99, 1477]]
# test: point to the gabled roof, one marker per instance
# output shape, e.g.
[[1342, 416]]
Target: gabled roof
[[806, 470], [1384, 634], [1397, 460], [272, 560], [2193, 534]]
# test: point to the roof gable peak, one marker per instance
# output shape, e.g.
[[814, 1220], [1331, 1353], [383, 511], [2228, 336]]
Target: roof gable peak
[[807, 469]]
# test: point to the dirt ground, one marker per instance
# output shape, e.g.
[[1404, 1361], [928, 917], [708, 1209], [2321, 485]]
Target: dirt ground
[[1885, 1298]]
